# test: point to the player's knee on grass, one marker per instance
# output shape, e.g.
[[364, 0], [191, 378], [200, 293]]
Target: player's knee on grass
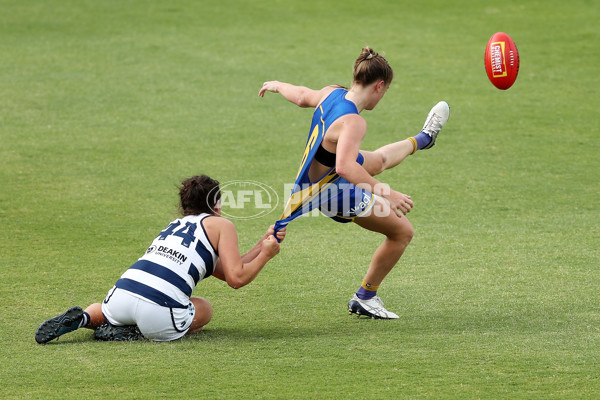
[[204, 312]]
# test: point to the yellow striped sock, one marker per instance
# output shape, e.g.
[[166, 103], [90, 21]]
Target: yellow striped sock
[[369, 287], [414, 142]]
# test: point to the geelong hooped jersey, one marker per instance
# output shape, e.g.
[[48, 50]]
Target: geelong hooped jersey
[[179, 258]]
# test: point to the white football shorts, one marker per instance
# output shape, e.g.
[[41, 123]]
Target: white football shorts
[[157, 323]]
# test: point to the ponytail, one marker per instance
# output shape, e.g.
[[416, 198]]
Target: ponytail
[[370, 67]]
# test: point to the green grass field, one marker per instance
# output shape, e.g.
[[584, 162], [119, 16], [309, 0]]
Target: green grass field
[[106, 105]]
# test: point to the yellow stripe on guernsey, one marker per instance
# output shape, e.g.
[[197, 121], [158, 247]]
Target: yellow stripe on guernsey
[[311, 142], [305, 191], [306, 195]]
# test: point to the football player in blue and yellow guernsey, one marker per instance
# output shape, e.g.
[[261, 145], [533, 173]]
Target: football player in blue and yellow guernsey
[[337, 177]]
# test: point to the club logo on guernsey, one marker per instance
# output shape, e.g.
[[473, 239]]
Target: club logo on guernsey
[[166, 252]]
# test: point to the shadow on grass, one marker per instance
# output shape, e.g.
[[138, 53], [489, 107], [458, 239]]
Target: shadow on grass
[[216, 334], [259, 334], [408, 326]]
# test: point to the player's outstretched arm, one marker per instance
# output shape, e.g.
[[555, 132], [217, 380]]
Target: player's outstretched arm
[[299, 95], [253, 252], [238, 270]]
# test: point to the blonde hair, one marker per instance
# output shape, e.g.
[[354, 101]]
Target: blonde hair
[[370, 67]]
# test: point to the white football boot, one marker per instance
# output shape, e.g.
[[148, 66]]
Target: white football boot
[[436, 118], [372, 308]]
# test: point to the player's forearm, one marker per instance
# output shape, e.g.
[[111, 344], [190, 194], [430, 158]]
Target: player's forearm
[[293, 93], [359, 177], [248, 271], [253, 252]]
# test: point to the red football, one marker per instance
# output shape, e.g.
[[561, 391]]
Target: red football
[[501, 60]]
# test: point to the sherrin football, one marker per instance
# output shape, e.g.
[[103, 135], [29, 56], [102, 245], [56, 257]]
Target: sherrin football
[[501, 60]]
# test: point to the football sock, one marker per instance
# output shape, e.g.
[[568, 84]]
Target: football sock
[[414, 143], [366, 291], [85, 320], [422, 140]]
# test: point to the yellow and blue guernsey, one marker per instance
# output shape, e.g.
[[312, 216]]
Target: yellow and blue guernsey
[[330, 189]]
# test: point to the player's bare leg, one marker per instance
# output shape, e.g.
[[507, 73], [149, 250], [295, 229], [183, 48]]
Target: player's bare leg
[[386, 157], [96, 317], [398, 233]]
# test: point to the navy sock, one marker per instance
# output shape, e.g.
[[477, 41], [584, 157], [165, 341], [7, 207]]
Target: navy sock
[[365, 294], [366, 291], [423, 140]]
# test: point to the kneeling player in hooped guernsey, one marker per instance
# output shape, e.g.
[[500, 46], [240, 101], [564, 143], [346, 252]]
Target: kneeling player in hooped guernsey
[[152, 299]]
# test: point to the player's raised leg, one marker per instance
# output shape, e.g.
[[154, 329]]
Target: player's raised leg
[[386, 157], [391, 155]]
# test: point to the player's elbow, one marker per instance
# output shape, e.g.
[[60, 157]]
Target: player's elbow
[[236, 282], [305, 97], [302, 100], [341, 172], [342, 169]]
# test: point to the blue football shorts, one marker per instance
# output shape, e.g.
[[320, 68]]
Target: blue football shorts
[[343, 202]]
